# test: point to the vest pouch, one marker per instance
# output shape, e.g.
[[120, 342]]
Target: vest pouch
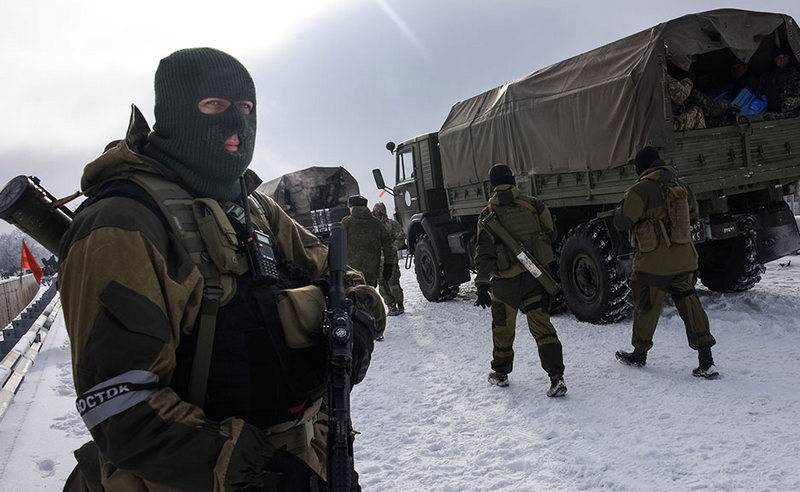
[[219, 236], [542, 249], [678, 213], [503, 262], [302, 312], [646, 236]]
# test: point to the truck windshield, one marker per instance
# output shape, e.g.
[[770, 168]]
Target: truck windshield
[[405, 165]]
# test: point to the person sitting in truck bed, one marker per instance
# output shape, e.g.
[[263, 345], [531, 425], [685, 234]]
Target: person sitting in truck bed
[[686, 116], [782, 86]]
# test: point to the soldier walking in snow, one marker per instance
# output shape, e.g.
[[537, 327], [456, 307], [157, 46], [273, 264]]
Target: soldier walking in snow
[[657, 212], [390, 289], [513, 288]]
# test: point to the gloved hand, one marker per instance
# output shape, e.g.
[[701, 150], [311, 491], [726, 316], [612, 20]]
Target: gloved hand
[[287, 472], [387, 271], [484, 298]]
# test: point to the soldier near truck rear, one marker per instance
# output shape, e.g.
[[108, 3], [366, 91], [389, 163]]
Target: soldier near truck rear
[[657, 212]]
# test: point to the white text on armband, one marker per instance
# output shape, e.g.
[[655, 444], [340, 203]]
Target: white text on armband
[[115, 395]]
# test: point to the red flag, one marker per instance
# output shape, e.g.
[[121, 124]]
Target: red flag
[[29, 262]]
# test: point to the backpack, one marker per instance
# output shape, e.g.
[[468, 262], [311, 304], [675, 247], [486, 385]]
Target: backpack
[[677, 221]]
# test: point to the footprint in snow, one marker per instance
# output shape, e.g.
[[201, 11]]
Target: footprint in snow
[[46, 466]]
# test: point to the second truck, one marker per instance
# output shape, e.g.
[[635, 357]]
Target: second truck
[[570, 131]]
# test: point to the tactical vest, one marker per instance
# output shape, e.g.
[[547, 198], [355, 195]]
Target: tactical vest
[[521, 219], [252, 373]]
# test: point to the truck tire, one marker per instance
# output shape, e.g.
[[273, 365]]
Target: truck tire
[[430, 275], [730, 265], [592, 279]]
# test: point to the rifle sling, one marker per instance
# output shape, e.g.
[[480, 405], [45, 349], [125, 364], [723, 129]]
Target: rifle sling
[[201, 364]]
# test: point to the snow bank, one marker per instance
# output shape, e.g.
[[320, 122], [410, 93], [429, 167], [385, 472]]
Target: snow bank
[[429, 421]]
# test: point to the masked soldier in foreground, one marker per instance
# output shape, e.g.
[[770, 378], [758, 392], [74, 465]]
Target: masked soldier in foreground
[[195, 325], [657, 211], [513, 288], [390, 289]]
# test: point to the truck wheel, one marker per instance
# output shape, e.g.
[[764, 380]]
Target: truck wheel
[[430, 275], [592, 279], [730, 265]]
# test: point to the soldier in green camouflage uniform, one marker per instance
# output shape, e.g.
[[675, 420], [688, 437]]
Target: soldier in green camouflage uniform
[[390, 289], [367, 243], [512, 287], [665, 268]]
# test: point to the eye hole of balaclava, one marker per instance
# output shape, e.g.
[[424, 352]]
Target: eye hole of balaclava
[[192, 143]]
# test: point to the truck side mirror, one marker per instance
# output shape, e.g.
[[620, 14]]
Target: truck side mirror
[[390, 146], [379, 182]]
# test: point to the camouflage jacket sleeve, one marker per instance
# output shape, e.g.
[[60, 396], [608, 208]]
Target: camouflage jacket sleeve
[[294, 241], [128, 291], [387, 246], [485, 255], [630, 211], [548, 224], [398, 235]]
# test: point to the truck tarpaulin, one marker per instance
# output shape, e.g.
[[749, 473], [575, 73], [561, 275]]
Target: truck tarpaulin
[[596, 110]]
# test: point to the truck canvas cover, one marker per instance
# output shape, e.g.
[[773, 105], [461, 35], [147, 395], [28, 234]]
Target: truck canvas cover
[[314, 188], [596, 110]]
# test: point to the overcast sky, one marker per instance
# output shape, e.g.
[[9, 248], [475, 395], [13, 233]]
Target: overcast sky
[[335, 80]]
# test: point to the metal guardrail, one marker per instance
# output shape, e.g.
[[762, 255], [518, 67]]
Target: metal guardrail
[[15, 365]]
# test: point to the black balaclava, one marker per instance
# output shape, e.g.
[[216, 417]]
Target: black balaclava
[[501, 174], [191, 143], [646, 158]]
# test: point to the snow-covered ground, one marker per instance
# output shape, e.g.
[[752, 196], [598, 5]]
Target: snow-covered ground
[[429, 421]]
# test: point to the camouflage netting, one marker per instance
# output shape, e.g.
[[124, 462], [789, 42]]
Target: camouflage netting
[[595, 110]]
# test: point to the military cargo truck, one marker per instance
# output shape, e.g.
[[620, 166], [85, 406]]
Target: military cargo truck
[[315, 197], [570, 132]]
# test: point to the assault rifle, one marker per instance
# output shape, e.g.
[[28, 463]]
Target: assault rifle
[[540, 272], [339, 334]]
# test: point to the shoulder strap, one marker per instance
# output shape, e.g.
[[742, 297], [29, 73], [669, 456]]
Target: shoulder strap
[[177, 205]]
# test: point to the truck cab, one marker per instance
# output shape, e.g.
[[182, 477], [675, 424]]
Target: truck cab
[[418, 186]]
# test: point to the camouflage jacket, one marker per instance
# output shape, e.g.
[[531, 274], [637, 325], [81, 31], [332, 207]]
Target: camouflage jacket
[[644, 200], [396, 233], [528, 220], [367, 241], [129, 290]]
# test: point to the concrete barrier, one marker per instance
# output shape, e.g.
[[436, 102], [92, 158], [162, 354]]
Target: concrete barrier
[[15, 365], [15, 294]]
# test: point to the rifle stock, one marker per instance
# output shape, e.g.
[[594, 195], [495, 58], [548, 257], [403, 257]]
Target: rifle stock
[[339, 334]]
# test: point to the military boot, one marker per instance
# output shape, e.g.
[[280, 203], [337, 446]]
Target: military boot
[[498, 379], [393, 311], [637, 358], [557, 387], [706, 367]]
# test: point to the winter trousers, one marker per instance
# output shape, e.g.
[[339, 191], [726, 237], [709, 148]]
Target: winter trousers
[[648, 295], [391, 291], [510, 296]]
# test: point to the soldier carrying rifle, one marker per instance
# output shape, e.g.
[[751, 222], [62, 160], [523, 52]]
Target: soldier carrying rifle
[[513, 257]]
